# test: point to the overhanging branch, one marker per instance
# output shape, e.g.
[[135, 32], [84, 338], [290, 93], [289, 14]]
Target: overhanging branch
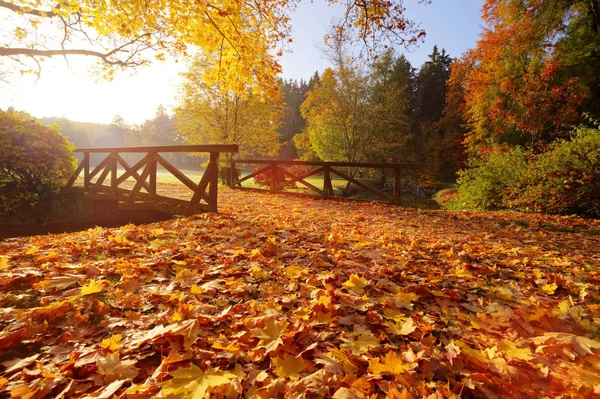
[[26, 10], [105, 57]]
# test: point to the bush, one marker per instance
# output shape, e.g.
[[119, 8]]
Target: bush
[[490, 181], [35, 160], [564, 179]]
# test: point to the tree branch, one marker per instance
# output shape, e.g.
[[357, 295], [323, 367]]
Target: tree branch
[[26, 10]]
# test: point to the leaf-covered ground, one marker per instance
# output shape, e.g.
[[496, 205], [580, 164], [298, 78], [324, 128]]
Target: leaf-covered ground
[[291, 297]]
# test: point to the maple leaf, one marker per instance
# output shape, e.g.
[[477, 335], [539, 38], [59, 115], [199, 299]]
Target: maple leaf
[[57, 283], [361, 342], [92, 288], [510, 349], [452, 351], [390, 364], [3, 262], [193, 383], [113, 343], [258, 273], [549, 288], [393, 314], [348, 393], [288, 366], [584, 346], [503, 368], [356, 284], [113, 368], [195, 289], [402, 328], [270, 334]]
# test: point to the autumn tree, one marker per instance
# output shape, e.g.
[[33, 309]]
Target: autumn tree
[[209, 114], [533, 69], [247, 36], [337, 108]]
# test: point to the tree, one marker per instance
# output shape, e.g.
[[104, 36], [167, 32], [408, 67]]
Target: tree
[[336, 109], [210, 114], [119, 133], [35, 160], [246, 36], [294, 94], [430, 95], [533, 68], [160, 130], [390, 107]]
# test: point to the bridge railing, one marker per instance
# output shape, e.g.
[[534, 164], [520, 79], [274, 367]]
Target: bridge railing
[[144, 173], [280, 176]]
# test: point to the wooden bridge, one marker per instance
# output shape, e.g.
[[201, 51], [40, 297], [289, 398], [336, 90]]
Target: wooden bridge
[[280, 174], [143, 195]]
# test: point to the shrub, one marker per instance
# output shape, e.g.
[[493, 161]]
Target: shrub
[[489, 182], [35, 160], [563, 179]]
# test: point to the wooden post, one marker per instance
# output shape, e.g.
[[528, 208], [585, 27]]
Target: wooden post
[[273, 183], [213, 182], [397, 187], [86, 170], [113, 174], [327, 187], [231, 173], [152, 166]]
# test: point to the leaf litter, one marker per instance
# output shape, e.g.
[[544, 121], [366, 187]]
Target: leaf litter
[[281, 296]]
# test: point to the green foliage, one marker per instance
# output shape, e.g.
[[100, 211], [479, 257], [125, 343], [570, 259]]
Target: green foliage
[[564, 179], [35, 160], [489, 182]]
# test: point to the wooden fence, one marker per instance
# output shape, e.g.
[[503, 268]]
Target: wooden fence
[[205, 190], [276, 168]]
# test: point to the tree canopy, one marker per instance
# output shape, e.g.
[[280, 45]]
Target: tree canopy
[[245, 37]]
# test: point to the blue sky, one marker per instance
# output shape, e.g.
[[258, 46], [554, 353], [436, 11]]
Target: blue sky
[[451, 24]]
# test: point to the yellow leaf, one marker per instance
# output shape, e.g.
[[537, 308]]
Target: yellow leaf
[[510, 349], [32, 251], [258, 272], [288, 366], [270, 335], [294, 271], [191, 382], [195, 289], [3, 262], [157, 232], [390, 364], [92, 288], [392, 314], [361, 343], [113, 343], [356, 284], [549, 288], [114, 368], [402, 328], [462, 271]]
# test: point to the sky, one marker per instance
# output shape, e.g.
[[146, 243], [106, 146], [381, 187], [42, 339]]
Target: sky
[[70, 92]]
